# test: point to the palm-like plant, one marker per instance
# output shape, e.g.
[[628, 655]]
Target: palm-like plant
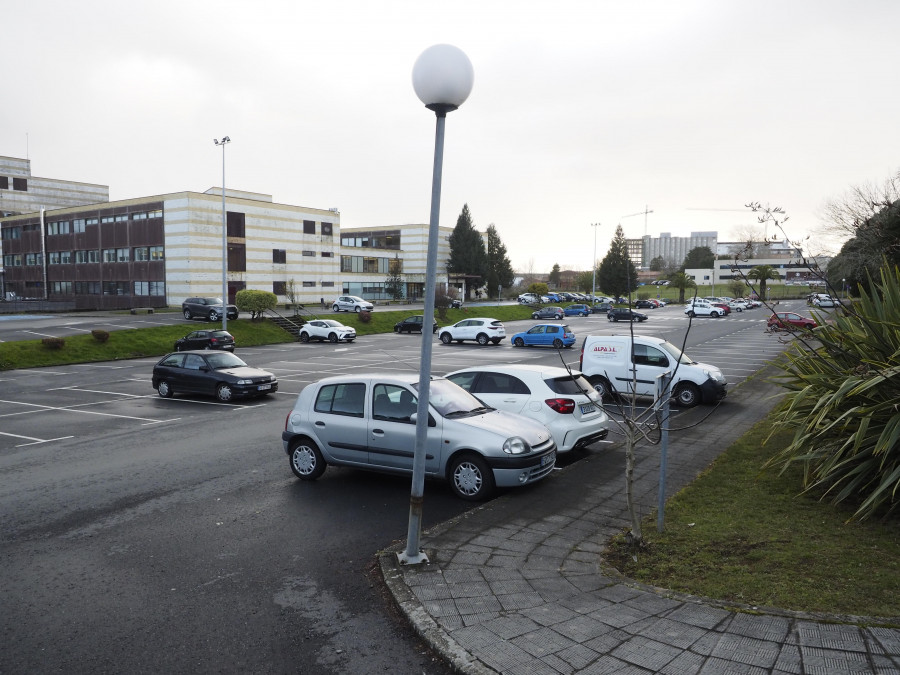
[[762, 274], [682, 282], [843, 404]]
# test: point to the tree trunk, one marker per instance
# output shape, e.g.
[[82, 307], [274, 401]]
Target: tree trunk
[[636, 536]]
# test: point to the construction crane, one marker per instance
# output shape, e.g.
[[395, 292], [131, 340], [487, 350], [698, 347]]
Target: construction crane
[[644, 213]]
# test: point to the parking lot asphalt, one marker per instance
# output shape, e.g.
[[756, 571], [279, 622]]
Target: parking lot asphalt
[[518, 585]]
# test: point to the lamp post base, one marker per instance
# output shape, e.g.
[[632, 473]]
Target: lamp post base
[[405, 559]]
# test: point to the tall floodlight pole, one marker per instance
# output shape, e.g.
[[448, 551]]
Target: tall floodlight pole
[[223, 142], [442, 78], [594, 278]]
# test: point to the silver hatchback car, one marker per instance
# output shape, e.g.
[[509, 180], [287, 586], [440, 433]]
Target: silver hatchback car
[[369, 422]]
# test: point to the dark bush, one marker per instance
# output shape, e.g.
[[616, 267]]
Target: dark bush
[[53, 343], [100, 335], [365, 317]]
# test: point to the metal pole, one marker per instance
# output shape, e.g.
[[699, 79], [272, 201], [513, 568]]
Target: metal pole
[[594, 265], [663, 391], [225, 139], [413, 555]]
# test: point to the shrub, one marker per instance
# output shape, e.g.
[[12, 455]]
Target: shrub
[[53, 342], [255, 302], [365, 316], [100, 335]]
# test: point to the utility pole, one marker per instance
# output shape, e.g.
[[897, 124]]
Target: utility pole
[[594, 266]]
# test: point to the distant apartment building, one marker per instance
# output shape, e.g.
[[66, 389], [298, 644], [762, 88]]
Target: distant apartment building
[[672, 249]]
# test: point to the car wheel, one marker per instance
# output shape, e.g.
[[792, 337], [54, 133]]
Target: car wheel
[[304, 337], [470, 478], [224, 392], [609, 318], [691, 314], [187, 314], [335, 308], [213, 316], [534, 316], [558, 343], [482, 339], [518, 342], [164, 389], [739, 309], [687, 394], [306, 460], [446, 339], [714, 315], [496, 341], [584, 314], [357, 309], [332, 337], [397, 329], [601, 386], [177, 347]]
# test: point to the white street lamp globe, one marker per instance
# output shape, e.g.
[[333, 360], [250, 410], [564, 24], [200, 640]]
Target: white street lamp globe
[[443, 77]]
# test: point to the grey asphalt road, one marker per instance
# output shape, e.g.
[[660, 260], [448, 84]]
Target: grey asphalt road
[[140, 534]]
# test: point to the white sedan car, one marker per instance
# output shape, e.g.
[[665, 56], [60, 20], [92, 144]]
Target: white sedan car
[[327, 329], [351, 303], [481, 330], [563, 401]]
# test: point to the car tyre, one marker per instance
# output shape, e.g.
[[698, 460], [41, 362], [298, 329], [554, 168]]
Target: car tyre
[[518, 342], [224, 392], [714, 315], [397, 329], [187, 314], [534, 316], [335, 308], [496, 341], [332, 337], [306, 460], [164, 389], [470, 478], [482, 339], [357, 309], [177, 347], [304, 337], [687, 394], [558, 317], [213, 315], [446, 339], [558, 343], [691, 314], [601, 386]]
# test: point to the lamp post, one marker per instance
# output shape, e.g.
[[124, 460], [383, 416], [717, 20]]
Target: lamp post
[[442, 78], [844, 288], [223, 142], [594, 265]]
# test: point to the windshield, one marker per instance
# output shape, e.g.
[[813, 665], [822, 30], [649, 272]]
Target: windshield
[[224, 360], [333, 324], [676, 353], [451, 399], [213, 301]]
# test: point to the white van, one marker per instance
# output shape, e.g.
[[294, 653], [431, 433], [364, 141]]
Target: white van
[[613, 367]]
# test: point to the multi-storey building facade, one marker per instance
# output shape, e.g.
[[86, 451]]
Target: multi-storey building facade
[[20, 192], [672, 249]]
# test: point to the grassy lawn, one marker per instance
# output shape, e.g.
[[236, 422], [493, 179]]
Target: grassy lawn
[[745, 537]]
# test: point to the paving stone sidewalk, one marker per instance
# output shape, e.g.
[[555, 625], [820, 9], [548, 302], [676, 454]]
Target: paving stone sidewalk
[[516, 587]]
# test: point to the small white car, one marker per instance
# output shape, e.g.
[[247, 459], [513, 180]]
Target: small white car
[[351, 303], [369, 422], [703, 308], [564, 401], [481, 330], [327, 329]]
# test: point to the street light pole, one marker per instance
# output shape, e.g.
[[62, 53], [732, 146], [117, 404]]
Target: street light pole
[[223, 142], [594, 277], [442, 78]]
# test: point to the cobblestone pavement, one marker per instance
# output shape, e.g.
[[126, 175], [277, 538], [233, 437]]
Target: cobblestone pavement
[[516, 586]]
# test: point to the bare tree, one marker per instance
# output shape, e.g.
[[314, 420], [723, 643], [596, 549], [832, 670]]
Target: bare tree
[[844, 215]]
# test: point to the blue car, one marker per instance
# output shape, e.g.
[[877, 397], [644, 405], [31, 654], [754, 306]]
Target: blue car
[[577, 310], [545, 334]]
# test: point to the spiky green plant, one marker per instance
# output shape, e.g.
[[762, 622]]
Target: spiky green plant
[[844, 404]]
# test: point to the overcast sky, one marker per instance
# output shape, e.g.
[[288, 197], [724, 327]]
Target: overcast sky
[[582, 112]]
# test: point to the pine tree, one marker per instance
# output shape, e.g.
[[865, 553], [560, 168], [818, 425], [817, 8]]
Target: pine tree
[[616, 274], [467, 252], [500, 274]]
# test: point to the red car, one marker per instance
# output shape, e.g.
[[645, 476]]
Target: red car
[[790, 320], [726, 310]]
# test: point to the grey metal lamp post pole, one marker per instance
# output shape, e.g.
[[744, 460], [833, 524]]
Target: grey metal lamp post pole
[[442, 78], [594, 265], [224, 140]]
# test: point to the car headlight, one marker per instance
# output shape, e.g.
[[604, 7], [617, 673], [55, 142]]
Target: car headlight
[[516, 446], [244, 382]]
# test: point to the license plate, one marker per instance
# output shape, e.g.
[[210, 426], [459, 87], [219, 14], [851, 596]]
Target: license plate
[[548, 459], [587, 408], [263, 387]]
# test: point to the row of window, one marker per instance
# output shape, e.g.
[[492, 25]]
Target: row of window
[[389, 240], [279, 255], [358, 263], [281, 287], [78, 224], [107, 255], [157, 288], [18, 183]]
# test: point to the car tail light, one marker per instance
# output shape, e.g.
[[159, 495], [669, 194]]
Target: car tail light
[[213, 341], [564, 406]]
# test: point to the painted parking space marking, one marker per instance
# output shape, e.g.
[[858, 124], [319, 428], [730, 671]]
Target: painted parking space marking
[[34, 441]]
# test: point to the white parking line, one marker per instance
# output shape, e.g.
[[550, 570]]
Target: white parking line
[[74, 408], [34, 441]]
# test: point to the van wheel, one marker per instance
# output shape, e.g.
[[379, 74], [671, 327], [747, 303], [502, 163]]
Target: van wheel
[[687, 394], [601, 386]]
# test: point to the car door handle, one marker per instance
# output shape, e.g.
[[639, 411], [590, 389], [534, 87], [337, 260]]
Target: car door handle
[[320, 424], [377, 432]]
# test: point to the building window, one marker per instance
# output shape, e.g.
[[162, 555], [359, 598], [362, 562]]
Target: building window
[[123, 254], [309, 284], [91, 221], [59, 227], [309, 254], [237, 257], [141, 254], [327, 254], [326, 229], [107, 219], [93, 255], [61, 287], [155, 214], [87, 288], [157, 253], [157, 288], [141, 288], [65, 257], [20, 184], [109, 255], [4, 182], [9, 233], [78, 225], [53, 258], [327, 284], [115, 287], [32, 259], [235, 224], [141, 215], [279, 287], [279, 255], [309, 227], [123, 218]]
